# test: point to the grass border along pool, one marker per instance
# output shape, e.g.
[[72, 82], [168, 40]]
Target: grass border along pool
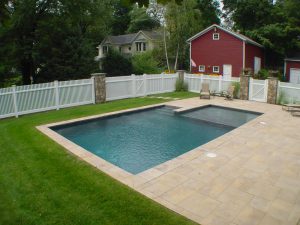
[[40, 183]]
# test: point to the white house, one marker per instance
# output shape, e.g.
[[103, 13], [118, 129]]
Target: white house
[[130, 44]]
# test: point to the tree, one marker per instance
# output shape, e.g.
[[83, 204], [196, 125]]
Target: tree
[[276, 25], [140, 20], [182, 21], [210, 12], [121, 17], [114, 64], [58, 34]]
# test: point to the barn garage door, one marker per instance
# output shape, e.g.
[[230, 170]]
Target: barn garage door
[[295, 76]]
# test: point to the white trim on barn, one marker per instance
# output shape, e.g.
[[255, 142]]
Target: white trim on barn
[[239, 36], [244, 54]]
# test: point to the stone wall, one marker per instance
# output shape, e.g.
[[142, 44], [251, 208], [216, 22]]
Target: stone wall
[[100, 87]]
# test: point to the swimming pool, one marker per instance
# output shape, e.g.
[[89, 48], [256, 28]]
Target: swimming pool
[[140, 140]]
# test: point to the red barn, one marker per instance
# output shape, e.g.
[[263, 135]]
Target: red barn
[[217, 50], [292, 70]]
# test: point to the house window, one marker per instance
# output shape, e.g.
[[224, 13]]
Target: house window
[[129, 48], [104, 49], [216, 36], [120, 49], [216, 69], [201, 68], [140, 46]]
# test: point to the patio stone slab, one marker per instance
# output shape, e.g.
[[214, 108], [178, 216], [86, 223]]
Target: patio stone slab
[[254, 178]]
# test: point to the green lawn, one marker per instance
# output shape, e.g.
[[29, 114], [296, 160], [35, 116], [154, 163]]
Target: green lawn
[[40, 183]]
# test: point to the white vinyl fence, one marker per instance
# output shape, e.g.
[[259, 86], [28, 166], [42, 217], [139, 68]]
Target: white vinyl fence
[[19, 100], [15, 101], [216, 83], [139, 85], [288, 93]]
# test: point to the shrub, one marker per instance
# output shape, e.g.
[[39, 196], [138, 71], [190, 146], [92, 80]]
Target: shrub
[[180, 85], [114, 64], [237, 87], [145, 63], [262, 74]]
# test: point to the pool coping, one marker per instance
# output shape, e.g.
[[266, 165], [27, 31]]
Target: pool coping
[[127, 178]]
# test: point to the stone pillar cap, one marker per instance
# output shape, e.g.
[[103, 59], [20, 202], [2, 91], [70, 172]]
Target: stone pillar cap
[[98, 74]]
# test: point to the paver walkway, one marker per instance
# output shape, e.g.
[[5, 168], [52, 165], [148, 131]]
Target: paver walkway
[[254, 178]]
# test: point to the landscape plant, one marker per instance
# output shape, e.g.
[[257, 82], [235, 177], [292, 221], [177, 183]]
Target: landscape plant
[[236, 91], [181, 85]]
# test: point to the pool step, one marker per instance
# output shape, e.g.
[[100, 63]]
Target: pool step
[[165, 111]]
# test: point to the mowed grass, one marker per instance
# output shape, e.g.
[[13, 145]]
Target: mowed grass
[[41, 183]]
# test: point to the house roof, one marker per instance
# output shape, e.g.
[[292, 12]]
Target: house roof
[[295, 56], [129, 38], [237, 35]]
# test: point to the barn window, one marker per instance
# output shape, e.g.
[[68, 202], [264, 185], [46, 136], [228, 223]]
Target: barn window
[[201, 68], [216, 36], [216, 69]]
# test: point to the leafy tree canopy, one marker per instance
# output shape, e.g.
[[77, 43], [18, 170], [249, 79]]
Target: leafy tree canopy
[[140, 20], [274, 24]]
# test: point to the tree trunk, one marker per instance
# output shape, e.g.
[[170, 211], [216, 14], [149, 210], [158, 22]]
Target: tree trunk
[[27, 71], [176, 59], [166, 51]]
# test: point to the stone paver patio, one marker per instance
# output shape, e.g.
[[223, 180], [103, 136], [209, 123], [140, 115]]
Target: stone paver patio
[[254, 179]]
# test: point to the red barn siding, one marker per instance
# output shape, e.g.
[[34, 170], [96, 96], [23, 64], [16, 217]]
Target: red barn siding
[[289, 65], [252, 51], [209, 52]]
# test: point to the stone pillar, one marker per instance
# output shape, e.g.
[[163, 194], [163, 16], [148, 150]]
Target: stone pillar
[[100, 87], [181, 74], [244, 89], [272, 90]]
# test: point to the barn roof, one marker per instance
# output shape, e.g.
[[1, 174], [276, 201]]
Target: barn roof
[[237, 35], [129, 38]]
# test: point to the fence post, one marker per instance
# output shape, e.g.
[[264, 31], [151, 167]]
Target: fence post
[[201, 80], [145, 84], [93, 90], [162, 82], [220, 83], [56, 94], [15, 100], [133, 85]]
